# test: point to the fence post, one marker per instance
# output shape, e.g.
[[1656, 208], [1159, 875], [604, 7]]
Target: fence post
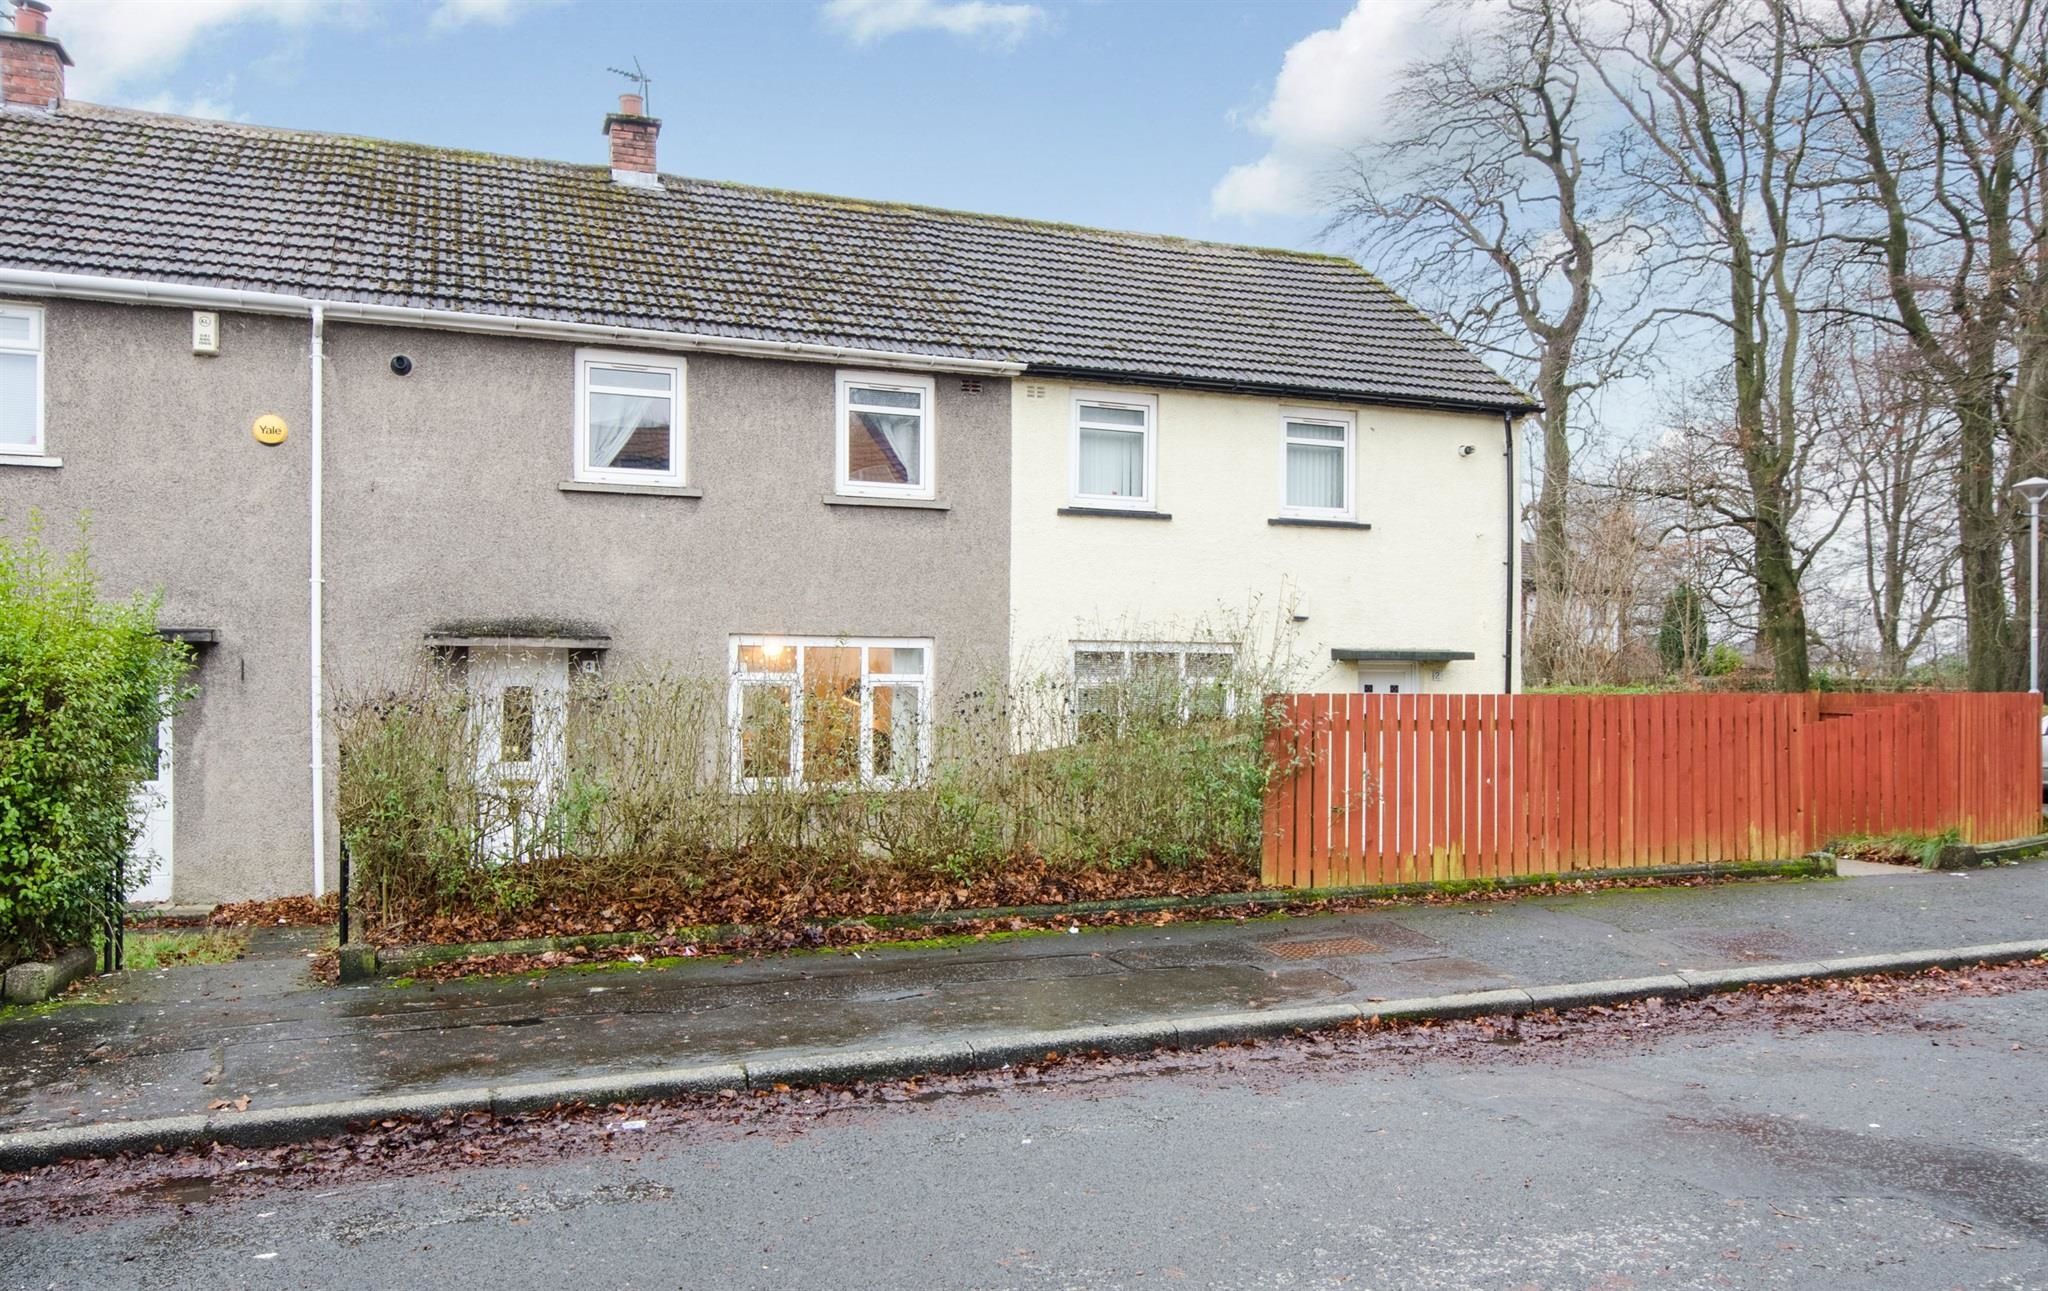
[[342, 895]]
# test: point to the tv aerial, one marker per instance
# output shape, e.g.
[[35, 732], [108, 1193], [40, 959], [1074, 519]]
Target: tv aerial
[[641, 80]]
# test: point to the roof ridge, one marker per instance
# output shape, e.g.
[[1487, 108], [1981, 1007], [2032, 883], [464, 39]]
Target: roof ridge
[[698, 181], [79, 108], [1026, 221]]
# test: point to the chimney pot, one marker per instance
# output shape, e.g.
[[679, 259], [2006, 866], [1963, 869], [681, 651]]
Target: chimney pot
[[631, 105], [32, 63]]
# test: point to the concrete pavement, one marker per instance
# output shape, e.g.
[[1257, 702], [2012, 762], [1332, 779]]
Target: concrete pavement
[[172, 1043]]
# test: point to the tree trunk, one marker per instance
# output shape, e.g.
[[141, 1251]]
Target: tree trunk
[[1783, 626], [1989, 646], [1553, 499]]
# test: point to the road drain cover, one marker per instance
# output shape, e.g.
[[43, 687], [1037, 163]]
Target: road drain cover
[[1322, 948]]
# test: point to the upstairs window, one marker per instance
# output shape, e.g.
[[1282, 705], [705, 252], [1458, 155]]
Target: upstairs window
[[1316, 466], [885, 435], [629, 418], [21, 381], [1113, 451]]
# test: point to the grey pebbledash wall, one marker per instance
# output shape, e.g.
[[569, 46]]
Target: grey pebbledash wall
[[443, 504], [180, 499], [455, 470]]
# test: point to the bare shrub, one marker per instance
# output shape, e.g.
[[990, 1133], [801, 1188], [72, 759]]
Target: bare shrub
[[1162, 770]]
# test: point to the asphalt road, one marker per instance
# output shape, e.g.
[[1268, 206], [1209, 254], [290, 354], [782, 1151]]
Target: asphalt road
[[1906, 1149]]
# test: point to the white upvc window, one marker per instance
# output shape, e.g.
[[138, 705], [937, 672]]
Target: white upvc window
[[21, 381], [819, 711], [1114, 455], [1114, 680], [1317, 468], [630, 418], [884, 435]]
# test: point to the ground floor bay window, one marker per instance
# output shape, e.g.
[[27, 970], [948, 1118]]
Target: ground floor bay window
[[815, 711]]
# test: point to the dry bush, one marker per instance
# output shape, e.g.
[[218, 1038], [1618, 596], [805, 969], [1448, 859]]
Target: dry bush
[[1159, 771]]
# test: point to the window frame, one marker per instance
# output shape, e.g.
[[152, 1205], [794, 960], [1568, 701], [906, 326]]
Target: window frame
[[1131, 650], [1321, 417], [794, 681], [1146, 403], [842, 404], [678, 448], [37, 348]]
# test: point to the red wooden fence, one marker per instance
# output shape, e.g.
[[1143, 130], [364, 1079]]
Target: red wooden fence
[[1400, 788]]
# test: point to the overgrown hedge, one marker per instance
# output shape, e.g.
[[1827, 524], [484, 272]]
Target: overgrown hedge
[[83, 684], [647, 794]]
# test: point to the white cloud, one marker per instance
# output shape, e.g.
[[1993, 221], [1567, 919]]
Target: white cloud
[[197, 105], [120, 46], [866, 21], [1326, 98], [451, 14], [126, 50]]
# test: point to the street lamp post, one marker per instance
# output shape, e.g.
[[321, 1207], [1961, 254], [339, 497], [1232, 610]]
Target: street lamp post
[[2033, 489]]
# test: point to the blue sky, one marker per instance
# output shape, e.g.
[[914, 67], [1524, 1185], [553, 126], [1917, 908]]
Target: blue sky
[[1121, 113]]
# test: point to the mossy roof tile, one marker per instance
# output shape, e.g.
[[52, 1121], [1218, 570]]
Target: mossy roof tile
[[108, 191]]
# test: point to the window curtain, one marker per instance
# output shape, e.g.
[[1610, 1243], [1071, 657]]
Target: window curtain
[[899, 435], [615, 417], [17, 399], [1315, 476], [1112, 463]]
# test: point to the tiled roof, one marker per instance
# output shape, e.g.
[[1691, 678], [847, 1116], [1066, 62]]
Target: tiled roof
[[111, 192]]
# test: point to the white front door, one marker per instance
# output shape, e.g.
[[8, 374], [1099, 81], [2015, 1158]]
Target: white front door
[[1389, 678], [519, 701], [149, 874]]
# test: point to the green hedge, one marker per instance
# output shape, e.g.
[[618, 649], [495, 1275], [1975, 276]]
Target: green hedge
[[83, 684]]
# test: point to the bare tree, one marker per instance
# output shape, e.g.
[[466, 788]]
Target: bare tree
[[1894, 449], [1722, 110], [1599, 625], [1947, 129], [1482, 201]]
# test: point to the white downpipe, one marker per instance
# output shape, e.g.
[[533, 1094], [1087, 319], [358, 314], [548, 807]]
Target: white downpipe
[[316, 605]]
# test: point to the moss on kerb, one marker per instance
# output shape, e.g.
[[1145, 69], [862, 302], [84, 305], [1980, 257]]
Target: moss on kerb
[[81, 997]]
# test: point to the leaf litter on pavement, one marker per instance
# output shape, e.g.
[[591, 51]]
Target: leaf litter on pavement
[[851, 933], [100, 1188]]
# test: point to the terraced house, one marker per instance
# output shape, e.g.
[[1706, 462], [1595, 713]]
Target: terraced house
[[341, 400]]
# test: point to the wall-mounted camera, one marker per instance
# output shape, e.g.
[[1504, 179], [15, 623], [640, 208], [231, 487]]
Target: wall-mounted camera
[[402, 366]]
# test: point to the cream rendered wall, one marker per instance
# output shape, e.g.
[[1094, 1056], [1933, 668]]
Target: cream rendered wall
[[1431, 573]]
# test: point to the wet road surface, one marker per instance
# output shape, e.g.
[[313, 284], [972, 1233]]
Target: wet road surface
[[1898, 1140]]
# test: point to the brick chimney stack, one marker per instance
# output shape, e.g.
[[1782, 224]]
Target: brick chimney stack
[[32, 63], [632, 134]]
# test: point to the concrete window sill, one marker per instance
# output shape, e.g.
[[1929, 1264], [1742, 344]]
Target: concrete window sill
[[1115, 513], [29, 459], [647, 490], [1310, 522], [907, 504]]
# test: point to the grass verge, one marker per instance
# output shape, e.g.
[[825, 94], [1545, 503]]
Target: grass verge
[[145, 952]]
